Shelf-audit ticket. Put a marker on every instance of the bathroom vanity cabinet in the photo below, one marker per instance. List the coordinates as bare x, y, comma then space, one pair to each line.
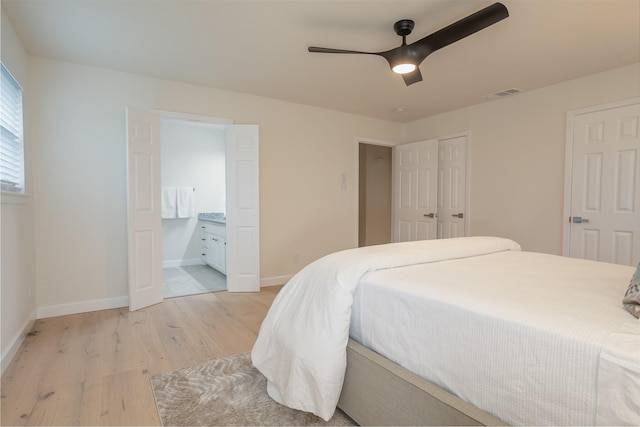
214, 245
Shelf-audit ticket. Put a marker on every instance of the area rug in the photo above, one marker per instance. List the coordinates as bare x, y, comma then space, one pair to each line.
224, 392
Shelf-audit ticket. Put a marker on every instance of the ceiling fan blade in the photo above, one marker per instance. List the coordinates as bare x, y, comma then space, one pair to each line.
412, 77
329, 50
460, 29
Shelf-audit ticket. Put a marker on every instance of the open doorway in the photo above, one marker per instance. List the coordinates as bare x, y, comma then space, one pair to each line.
374, 194
193, 160
144, 221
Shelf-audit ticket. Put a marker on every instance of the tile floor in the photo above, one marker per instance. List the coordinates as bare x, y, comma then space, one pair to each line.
191, 279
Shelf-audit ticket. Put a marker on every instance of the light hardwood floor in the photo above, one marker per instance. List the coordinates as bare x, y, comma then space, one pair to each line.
94, 368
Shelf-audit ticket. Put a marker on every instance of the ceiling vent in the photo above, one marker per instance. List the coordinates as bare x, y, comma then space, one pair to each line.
502, 93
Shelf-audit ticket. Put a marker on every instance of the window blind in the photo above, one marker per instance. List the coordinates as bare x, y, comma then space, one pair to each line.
11, 138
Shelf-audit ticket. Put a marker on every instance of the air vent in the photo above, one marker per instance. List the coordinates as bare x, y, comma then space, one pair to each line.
502, 93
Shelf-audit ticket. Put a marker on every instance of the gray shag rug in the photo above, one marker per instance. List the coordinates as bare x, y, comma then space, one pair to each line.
224, 392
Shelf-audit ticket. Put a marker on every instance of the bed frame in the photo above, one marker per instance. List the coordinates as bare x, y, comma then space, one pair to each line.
377, 391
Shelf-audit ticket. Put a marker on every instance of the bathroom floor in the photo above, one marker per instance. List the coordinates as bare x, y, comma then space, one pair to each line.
191, 279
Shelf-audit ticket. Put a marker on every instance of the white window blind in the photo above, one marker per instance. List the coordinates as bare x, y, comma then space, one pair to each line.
12, 141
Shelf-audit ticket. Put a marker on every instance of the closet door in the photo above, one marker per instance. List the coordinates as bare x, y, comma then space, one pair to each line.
452, 185
414, 191
430, 189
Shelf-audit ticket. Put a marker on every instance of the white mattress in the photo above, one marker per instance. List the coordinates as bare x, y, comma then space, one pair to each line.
498, 332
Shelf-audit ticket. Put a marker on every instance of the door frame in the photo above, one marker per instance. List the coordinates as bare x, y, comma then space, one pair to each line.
188, 117
163, 114
356, 180
568, 161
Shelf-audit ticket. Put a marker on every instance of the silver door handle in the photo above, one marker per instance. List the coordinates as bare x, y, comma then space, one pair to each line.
460, 215
579, 220
431, 215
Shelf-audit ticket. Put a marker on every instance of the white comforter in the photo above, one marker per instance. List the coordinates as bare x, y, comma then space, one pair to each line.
532, 338
301, 348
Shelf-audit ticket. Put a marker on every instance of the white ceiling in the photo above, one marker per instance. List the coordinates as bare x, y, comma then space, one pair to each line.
260, 47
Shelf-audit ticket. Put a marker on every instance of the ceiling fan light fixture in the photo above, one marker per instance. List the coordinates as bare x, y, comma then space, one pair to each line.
404, 68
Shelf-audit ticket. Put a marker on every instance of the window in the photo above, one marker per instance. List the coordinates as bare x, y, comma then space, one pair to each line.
11, 141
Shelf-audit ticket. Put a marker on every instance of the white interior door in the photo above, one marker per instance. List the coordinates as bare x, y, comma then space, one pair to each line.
415, 188
452, 185
143, 209
604, 218
243, 214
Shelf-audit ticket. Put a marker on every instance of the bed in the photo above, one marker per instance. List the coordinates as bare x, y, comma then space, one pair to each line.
458, 331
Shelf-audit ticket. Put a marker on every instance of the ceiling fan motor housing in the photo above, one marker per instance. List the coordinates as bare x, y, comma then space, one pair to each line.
403, 27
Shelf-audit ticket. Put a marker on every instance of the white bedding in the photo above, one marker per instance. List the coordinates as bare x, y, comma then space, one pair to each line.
530, 338
301, 345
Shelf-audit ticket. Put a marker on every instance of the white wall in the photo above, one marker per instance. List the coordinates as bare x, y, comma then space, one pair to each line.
517, 154
80, 215
192, 155
516, 166
17, 253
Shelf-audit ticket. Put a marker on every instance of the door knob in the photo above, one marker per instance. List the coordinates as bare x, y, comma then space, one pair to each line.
459, 215
579, 220
431, 215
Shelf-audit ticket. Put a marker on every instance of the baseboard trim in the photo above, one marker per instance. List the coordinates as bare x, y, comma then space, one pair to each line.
10, 351
274, 281
118, 302
182, 262
82, 307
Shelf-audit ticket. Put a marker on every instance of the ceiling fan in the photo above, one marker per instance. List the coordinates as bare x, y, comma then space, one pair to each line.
406, 58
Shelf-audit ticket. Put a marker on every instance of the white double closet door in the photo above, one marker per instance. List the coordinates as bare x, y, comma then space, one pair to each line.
430, 189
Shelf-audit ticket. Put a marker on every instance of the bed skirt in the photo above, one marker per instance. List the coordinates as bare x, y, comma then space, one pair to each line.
377, 391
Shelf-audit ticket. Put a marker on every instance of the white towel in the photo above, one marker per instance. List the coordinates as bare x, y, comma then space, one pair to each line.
186, 208
168, 209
